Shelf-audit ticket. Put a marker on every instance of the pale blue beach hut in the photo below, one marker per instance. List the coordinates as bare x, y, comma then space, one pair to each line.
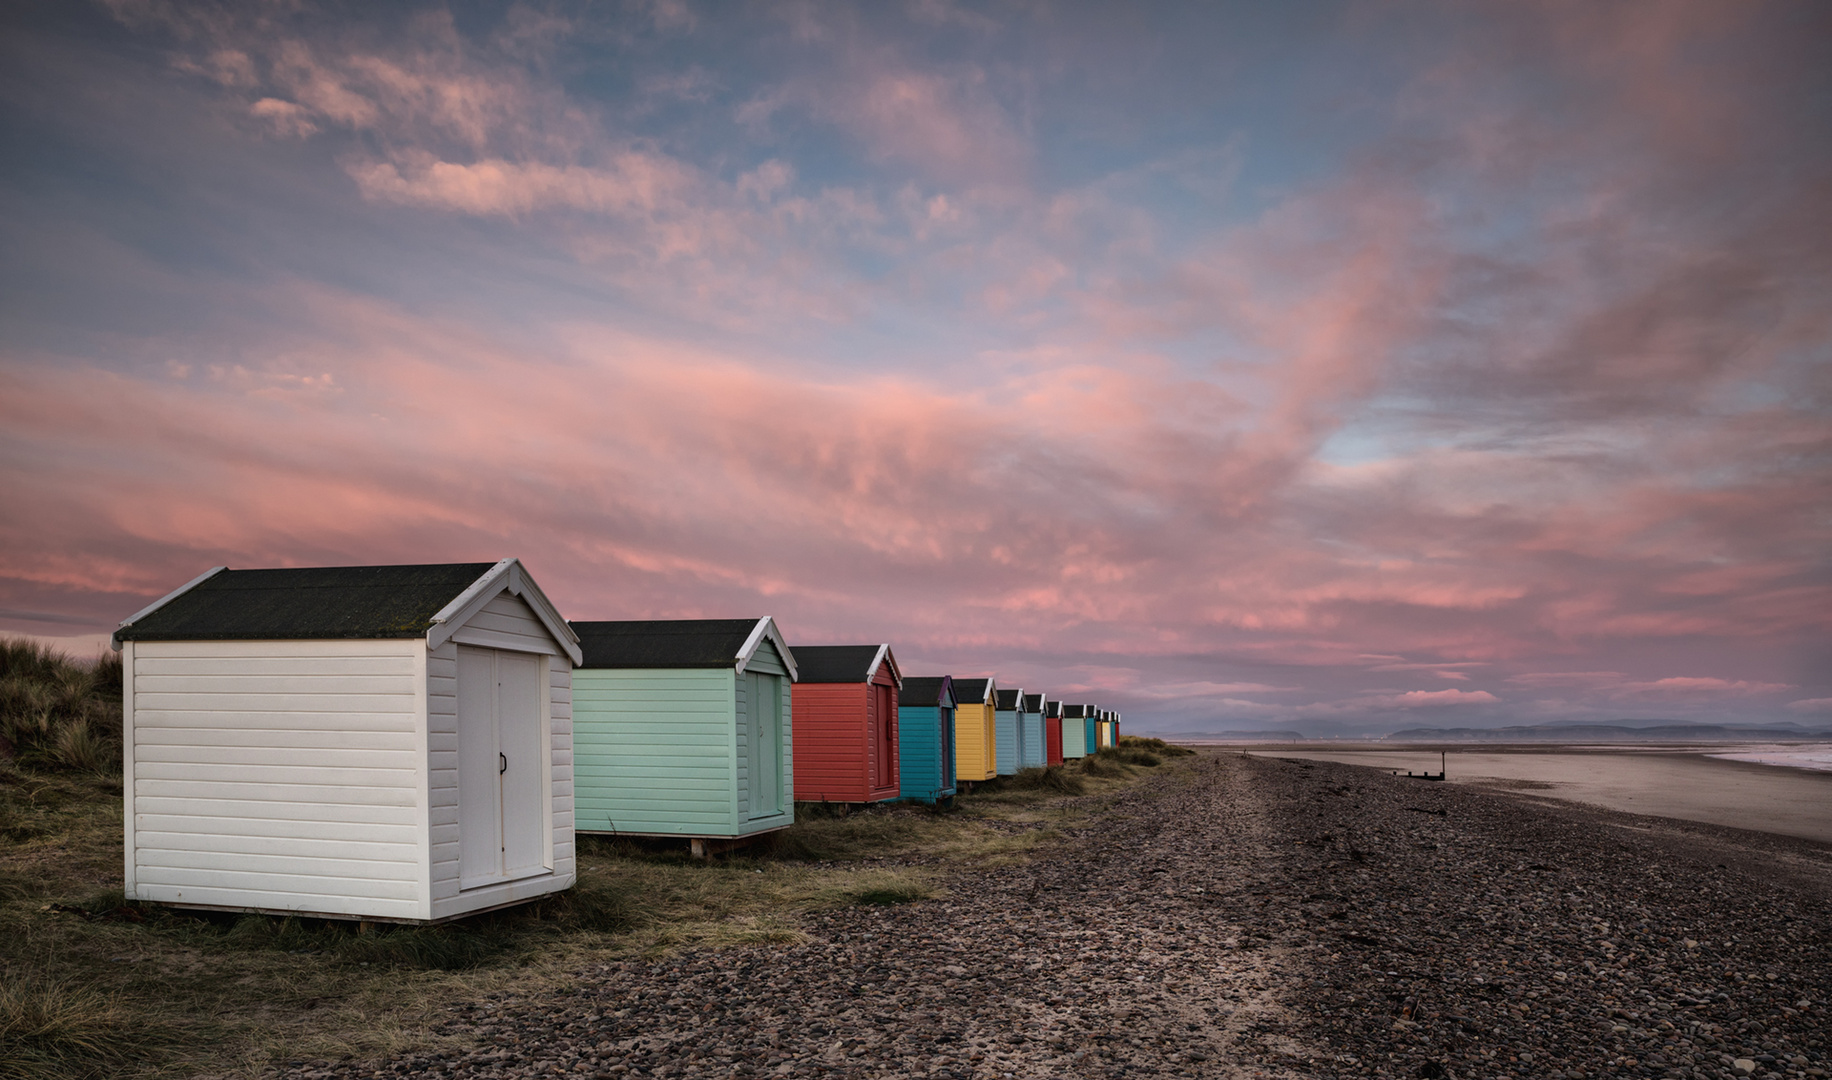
1030, 723
1009, 730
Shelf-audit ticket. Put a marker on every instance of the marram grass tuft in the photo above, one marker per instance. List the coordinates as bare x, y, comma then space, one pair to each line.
57, 713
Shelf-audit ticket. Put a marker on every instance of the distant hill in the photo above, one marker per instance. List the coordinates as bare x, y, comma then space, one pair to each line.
1673, 731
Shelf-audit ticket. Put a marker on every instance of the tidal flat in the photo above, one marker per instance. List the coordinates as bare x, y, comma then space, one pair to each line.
1683, 782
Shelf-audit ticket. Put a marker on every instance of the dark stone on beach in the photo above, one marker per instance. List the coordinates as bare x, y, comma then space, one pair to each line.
1296, 921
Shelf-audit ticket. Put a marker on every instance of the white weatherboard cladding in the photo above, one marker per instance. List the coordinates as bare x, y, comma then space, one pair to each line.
277, 774
501, 772
322, 776
506, 623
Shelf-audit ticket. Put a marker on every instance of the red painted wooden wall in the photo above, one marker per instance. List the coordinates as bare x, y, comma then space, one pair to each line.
1052, 739
846, 740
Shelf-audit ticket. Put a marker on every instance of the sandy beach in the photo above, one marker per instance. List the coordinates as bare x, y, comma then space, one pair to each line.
1672, 782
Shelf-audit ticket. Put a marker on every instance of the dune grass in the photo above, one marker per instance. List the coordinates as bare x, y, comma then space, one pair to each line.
56, 713
94, 986
57, 1026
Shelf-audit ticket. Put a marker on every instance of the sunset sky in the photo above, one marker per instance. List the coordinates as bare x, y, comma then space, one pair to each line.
1334, 367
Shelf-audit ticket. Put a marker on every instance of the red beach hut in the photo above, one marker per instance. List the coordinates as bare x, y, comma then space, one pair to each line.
1052, 732
845, 710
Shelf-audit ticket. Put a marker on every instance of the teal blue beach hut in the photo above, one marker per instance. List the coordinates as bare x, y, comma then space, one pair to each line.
683, 728
1090, 718
1030, 723
925, 739
1009, 731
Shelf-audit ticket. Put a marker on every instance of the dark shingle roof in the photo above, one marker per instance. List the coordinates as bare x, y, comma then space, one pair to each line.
1052, 709
835, 663
971, 690
663, 643
308, 603
1074, 712
1008, 700
1033, 703
922, 690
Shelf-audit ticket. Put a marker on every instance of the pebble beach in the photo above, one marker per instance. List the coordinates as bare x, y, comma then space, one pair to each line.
1237, 916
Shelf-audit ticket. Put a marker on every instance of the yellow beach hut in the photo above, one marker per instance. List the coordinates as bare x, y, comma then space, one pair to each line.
975, 730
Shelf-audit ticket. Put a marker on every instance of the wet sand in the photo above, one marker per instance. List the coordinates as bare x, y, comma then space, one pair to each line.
1671, 782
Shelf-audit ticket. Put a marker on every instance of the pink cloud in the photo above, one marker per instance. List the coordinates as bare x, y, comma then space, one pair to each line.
285, 117
1682, 687
1541, 679
1430, 699
1439, 668
633, 183
1516, 390
949, 124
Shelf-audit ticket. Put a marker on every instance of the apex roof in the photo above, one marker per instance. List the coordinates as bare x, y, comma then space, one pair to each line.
679, 643
927, 690
427, 600
1033, 703
974, 691
1008, 700
843, 663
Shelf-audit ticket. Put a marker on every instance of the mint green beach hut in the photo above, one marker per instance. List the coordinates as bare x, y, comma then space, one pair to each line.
1076, 740
683, 728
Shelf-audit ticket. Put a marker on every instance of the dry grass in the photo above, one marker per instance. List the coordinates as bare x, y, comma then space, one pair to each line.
92, 986
56, 713
1155, 747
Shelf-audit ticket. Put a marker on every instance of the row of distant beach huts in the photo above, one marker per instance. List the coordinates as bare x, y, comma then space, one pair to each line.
418, 743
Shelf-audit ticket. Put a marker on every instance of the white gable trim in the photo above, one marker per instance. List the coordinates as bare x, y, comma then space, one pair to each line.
884, 653
162, 601
766, 628
506, 576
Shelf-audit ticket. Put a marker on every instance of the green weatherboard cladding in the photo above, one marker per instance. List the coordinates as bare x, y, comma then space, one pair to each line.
689, 751
1075, 741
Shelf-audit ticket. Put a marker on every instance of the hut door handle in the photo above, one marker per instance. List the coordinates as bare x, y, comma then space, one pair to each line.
504, 767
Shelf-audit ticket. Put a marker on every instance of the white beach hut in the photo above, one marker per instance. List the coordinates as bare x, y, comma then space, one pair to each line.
368, 742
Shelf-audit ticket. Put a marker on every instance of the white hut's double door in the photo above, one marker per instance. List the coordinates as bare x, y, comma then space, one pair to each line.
503, 761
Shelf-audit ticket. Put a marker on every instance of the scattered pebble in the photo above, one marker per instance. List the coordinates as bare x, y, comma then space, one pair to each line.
1247, 917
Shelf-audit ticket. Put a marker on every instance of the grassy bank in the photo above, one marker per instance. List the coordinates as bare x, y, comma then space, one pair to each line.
91, 986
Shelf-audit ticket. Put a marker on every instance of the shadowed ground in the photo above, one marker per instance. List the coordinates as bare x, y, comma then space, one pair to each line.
1250, 917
